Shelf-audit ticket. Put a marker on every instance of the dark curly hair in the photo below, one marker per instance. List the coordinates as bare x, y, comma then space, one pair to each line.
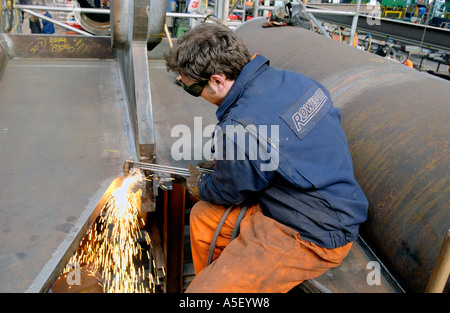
207, 49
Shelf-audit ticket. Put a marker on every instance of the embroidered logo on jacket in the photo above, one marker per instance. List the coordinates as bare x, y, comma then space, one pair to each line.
307, 111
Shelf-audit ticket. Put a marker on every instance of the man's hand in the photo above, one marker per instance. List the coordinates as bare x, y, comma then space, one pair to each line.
210, 165
194, 176
192, 181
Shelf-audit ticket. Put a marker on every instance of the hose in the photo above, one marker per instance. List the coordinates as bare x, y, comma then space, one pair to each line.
219, 228
238, 222
370, 42
216, 234
10, 7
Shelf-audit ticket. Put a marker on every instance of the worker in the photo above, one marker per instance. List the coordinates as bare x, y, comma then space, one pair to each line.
408, 63
35, 25
47, 27
295, 193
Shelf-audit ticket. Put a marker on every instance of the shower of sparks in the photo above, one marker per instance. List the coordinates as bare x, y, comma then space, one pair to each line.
111, 246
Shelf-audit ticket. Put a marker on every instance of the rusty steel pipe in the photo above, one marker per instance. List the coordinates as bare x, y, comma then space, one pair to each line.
397, 124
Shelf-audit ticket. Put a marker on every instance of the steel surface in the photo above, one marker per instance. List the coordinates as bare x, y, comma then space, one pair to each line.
63, 141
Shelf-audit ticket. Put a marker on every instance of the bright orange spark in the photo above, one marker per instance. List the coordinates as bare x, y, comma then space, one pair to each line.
111, 246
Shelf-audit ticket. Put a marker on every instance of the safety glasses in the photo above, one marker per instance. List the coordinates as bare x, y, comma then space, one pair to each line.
195, 89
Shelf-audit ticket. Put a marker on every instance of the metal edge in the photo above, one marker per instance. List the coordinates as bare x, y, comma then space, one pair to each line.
44, 280
56, 46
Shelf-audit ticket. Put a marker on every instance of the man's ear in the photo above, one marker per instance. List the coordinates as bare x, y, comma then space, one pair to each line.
218, 80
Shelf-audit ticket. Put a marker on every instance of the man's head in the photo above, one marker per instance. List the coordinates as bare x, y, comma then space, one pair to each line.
208, 58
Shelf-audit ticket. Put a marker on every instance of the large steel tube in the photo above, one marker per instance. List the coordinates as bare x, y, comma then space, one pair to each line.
98, 24
397, 124
141, 20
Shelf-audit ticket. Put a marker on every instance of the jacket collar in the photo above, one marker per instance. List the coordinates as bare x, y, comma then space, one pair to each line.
248, 73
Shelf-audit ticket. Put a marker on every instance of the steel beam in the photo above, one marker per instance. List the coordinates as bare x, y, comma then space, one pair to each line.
137, 28
343, 7
62, 9
422, 35
174, 219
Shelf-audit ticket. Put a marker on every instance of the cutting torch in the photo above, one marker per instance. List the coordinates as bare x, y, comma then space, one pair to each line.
129, 164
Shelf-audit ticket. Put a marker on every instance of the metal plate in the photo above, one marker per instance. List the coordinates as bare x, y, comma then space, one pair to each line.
53, 46
63, 139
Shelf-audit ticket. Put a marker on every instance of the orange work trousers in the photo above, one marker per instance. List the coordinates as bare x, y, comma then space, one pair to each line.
266, 256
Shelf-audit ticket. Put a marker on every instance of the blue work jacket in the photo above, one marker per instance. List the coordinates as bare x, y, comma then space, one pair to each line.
281, 145
47, 27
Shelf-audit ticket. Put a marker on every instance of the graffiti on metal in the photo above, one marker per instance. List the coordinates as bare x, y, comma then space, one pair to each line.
61, 47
